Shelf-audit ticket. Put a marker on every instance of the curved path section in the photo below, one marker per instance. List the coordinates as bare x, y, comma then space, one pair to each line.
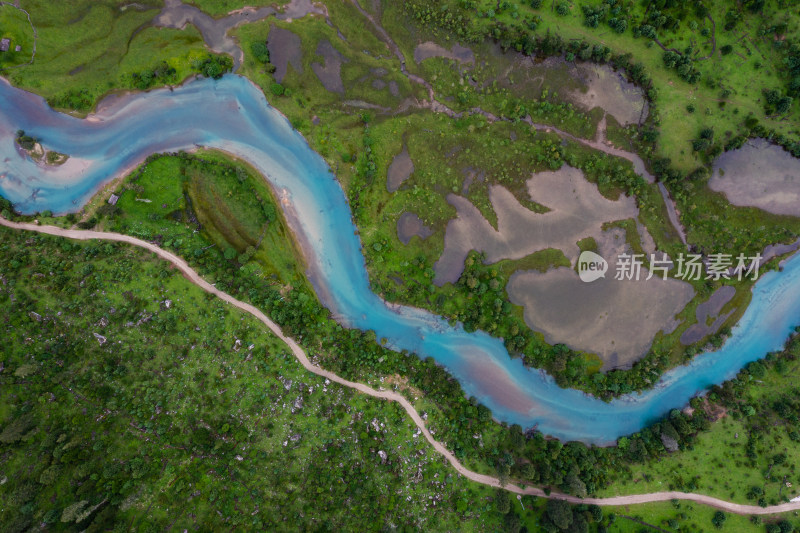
301, 356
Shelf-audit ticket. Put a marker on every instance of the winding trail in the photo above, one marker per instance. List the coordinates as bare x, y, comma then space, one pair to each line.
301, 356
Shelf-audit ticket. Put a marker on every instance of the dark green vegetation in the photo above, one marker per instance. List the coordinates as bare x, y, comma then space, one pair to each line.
26, 141
130, 400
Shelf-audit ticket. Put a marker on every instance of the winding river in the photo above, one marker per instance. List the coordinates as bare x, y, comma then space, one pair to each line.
232, 115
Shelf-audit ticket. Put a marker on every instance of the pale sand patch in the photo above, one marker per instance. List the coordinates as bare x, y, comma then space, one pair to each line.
759, 174
577, 211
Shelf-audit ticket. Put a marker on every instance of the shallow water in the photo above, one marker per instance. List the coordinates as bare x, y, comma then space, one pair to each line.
231, 114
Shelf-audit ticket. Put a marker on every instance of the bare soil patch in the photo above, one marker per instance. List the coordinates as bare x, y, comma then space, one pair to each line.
577, 211
759, 174
399, 170
429, 49
284, 49
616, 319
710, 308
330, 74
410, 225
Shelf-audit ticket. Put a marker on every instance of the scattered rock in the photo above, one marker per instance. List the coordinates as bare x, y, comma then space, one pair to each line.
669, 443
100, 338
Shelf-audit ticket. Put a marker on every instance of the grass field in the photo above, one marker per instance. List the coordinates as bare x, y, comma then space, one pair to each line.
750, 455
732, 80
231, 203
87, 49
14, 26
682, 516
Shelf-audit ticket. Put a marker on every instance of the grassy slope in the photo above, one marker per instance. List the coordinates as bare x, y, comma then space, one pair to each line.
189, 430
14, 25
91, 48
234, 214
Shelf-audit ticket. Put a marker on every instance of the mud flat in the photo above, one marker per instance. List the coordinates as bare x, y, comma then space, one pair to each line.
429, 49
410, 225
284, 49
616, 319
710, 308
577, 211
399, 170
330, 74
587, 85
611, 92
215, 31
759, 174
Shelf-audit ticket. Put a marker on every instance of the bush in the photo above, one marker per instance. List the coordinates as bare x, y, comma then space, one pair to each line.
277, 89
213, 66
260, 51
559, 512
718, 519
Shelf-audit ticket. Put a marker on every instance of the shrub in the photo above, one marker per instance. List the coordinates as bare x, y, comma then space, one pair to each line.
260, 51
277, 89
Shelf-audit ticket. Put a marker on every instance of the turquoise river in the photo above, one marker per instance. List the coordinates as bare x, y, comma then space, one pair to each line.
232, 114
